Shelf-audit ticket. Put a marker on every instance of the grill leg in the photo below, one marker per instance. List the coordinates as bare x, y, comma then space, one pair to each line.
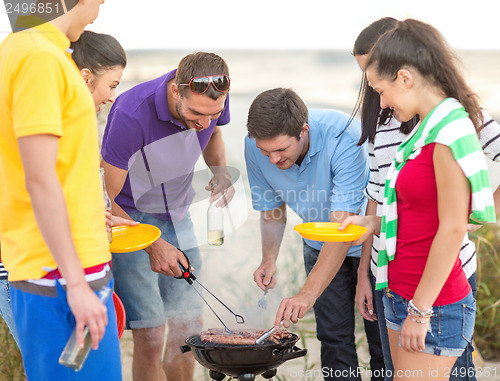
269, 374
246, 377
217, 376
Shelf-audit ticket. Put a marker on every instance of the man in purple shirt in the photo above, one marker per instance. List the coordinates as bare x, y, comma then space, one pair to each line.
155, 133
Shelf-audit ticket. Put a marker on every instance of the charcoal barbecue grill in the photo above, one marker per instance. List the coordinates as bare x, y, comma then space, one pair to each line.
243, 362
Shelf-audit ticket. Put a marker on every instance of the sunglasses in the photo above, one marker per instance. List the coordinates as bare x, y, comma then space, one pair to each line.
200, 85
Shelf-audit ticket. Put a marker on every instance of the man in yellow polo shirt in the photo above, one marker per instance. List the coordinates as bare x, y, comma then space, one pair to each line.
52, 225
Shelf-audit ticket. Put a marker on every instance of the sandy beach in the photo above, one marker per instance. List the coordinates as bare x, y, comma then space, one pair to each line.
324, 79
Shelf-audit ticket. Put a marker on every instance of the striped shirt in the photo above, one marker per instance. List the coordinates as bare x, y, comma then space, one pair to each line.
381, 155
3, 272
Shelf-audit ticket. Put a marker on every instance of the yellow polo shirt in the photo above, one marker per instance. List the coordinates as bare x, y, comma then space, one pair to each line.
42, 92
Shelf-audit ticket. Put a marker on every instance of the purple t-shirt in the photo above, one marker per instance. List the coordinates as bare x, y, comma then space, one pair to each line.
159, 153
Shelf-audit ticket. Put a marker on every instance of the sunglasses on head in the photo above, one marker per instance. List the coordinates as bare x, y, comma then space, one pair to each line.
200, 85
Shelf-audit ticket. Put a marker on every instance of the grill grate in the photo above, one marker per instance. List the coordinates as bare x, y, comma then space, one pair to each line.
196, 341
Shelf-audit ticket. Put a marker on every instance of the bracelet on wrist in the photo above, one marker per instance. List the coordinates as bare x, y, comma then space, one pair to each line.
412, 310
420, 321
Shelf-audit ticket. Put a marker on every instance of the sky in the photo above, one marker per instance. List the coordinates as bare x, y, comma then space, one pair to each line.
282, 24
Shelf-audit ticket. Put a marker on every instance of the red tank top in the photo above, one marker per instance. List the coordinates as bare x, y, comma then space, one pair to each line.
417, 226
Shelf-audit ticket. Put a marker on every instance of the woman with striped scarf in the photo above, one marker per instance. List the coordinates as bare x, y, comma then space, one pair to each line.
428, 303
385, 134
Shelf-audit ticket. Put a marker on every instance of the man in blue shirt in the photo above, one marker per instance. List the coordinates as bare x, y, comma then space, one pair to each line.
310, 161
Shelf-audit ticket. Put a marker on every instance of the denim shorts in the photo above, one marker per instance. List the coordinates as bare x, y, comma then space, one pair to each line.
151, 298
6, 309
451, 325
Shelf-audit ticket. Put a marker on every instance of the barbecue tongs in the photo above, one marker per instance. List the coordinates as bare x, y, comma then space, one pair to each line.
189, 277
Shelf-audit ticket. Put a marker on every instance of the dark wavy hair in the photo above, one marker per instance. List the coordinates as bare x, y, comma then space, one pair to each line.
98, 52
420, 46
368, 101
369, 36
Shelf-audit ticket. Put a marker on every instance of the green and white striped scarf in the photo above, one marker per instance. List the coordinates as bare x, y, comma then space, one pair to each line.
447, 124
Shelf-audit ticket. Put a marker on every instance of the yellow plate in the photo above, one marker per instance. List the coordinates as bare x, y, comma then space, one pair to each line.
131, 238
328, 231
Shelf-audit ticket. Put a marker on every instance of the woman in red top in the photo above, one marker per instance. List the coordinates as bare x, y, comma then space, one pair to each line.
428, 303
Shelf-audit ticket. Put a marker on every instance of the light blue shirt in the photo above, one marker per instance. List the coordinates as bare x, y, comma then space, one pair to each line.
331, 177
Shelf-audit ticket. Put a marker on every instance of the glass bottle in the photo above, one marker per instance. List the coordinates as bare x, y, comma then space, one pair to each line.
107, 203
215, 225
72, 355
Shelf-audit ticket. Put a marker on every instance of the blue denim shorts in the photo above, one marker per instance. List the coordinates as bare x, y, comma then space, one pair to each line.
451, 325
6, 309
151, 298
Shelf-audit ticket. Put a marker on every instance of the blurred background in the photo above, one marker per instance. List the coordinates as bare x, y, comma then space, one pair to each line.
305, 46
